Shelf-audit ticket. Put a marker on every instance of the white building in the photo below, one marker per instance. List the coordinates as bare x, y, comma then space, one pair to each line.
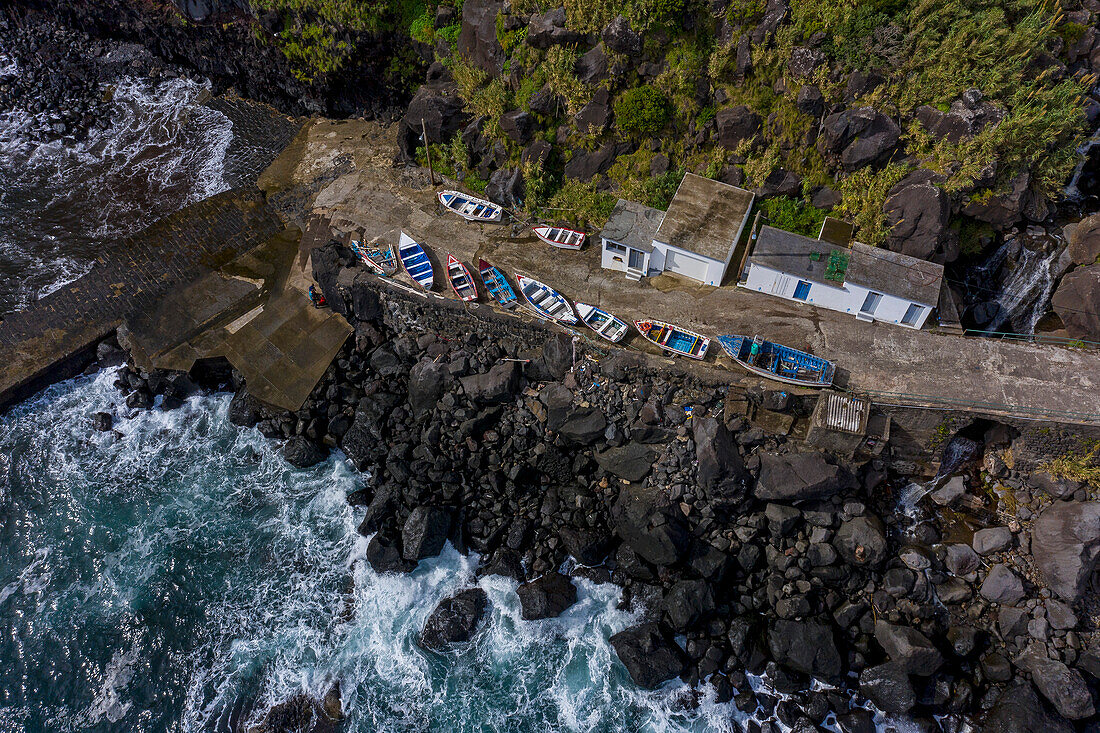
872, 284
696, 237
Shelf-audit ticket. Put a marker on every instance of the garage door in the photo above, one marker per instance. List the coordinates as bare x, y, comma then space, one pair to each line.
685, 264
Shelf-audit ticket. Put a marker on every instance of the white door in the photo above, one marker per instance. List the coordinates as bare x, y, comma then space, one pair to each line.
870, 304
685, 264
912, 313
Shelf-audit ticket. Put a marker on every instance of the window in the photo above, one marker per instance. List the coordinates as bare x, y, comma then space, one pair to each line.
870, 304
802, 290
912, 313
614, 247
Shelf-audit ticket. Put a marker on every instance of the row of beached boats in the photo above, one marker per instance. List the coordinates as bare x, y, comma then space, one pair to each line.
472, 208
761, 357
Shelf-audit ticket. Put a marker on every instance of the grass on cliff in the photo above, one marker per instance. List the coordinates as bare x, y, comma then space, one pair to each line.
1076, 467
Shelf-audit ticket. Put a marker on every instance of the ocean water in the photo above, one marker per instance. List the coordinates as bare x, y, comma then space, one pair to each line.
61, 203
175, 574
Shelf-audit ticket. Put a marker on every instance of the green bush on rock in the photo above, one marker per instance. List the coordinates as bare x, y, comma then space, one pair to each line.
641, 111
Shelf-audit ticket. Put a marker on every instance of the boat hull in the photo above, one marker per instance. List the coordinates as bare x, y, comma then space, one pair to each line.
470, 208
735, 348
461, 281
603, 323
560, 237
415, 261
698, 343
497, 285
546, 301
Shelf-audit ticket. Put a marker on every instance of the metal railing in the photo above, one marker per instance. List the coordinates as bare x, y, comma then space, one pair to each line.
922, 400
1035, 338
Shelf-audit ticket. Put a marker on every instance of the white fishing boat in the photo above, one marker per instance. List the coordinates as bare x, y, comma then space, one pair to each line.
560, 236
415, 261
606, 325
461, 281
470, 207
546, 301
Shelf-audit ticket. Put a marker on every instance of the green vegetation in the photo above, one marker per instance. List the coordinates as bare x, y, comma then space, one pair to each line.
793, 215
583, 204
641, 111
1076, 467
864, 193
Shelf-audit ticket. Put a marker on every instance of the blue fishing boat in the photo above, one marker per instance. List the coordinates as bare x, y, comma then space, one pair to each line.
470, 207
673, 338
781, 363
606, 325
546, 301
415, 261
377, 257
496, 285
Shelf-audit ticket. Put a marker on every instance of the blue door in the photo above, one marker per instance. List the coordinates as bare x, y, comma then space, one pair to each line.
802, 290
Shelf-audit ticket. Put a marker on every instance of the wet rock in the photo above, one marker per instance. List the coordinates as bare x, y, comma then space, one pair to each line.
298, 713
455, 619
425, 532
806, 647
645, 520
688, 602
632, 461
495, 386
547, 597
1064, 687
301, 452
950, 492
862, 541
649, 654
794, 477
908, 648
1002, 585
1065, 541
587, 547
1077, 302
331, 706
103, 421
1019, 710
888, 687
991, 540
385, 557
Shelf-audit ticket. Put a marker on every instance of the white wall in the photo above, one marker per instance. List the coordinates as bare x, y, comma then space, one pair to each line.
846, 299
715, 269
616, 260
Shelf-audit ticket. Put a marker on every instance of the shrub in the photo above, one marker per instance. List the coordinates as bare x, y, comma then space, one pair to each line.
586, 205
793, 215
449, 33
423, 27
562, 79
864, 193
641, 111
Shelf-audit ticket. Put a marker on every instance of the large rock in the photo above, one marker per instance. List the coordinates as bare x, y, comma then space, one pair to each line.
917, 215
1065, 688
805, 646
425, 532
547, 596
440, 108
888, 687
861, 541
427, 379
621, 38
495, 386
688, 602
517, 125
908, 648
1077, 302
477, 41
1055, 487
549, 29
967, 116
1005, 209
632, 461
645, 520
991, 540
455, 619
649, 654
595, 117
858, 137
793, 477
301, 452
583, 425
736, 124
1001, 585
584, 165
1065, 541
1084, 242
1019, 710
720, 466
586, 546
384, 556
506, 187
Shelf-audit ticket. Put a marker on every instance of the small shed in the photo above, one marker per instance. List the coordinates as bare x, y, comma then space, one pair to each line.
701, 229
627, 238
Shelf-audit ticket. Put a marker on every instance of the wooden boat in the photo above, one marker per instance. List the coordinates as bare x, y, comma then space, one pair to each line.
781, 363
461, 282
560, 236
379, 258
415, 261
470, 207
497, 285
673, 338
602, 322
546, 301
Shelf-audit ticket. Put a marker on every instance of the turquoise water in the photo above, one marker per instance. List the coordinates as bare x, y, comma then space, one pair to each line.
180, 576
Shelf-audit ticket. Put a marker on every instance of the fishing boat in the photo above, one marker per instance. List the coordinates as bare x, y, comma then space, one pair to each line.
673, 338
461, 282
379, 258
560, 236
497, 285
415, 261
546, 301
470, 207
781, 363
602, 322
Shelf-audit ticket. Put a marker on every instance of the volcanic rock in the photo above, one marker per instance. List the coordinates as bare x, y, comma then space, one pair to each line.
646, 521
858, 137
621, 38
805, 646
455, 619
301, 452
687, 603
793, 477
426, 382
1019, 710
495, 386
583, 425
549, 29
862, 541
992, 539
1065, 541
649, 654
1064, 687
425, 532
908, 648
1002, 585
477, 40
632, 461
547, 596
736, 124
888, 687
1077, 302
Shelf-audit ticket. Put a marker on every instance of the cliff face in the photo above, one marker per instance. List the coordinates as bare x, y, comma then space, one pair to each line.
233, 46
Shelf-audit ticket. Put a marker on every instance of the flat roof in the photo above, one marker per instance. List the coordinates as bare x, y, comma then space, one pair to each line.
791, 253
836, 231
633, 225
893, 273
705, 217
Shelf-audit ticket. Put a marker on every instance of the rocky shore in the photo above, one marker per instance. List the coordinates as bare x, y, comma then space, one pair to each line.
745, 552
